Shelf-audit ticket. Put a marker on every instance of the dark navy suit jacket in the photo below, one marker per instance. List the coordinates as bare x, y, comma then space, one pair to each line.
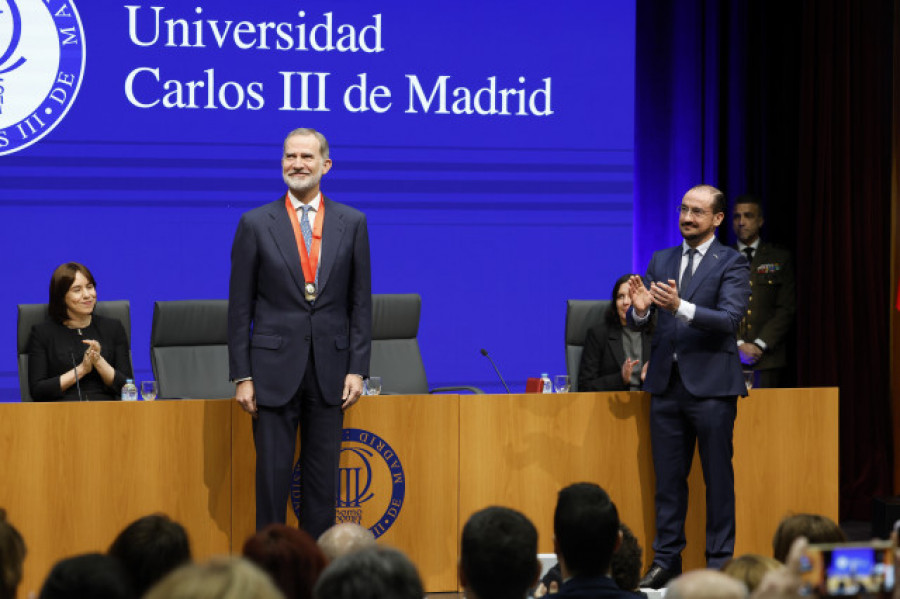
593, 587
707, 347
271, 326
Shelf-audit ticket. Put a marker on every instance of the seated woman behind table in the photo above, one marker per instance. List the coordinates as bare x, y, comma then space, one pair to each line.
614, 357
76, 342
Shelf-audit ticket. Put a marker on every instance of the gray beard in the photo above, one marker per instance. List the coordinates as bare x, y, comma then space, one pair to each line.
298, 187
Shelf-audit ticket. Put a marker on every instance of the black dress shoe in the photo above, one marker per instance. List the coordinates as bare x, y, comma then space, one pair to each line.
656, 577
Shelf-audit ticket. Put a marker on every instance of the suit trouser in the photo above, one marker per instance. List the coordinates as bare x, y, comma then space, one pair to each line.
275, 434
678, 422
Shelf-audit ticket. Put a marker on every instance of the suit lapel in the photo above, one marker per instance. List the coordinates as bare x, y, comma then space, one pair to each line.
709, 263
283, 234
614, 339
332, 236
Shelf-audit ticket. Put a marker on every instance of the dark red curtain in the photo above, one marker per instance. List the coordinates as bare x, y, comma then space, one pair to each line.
791, 101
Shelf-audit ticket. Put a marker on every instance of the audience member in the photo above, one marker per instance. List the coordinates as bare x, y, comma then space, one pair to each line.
91, 575
586, 529
750, 569
498, 555
12, 556
343, 538
816, 529
705, 584
625, 566
149, 548
763, 334
290, 556
220, 578
371, 573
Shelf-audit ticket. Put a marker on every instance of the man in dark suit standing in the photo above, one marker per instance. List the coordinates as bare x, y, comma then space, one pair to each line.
763, 333
299, 331
699, 291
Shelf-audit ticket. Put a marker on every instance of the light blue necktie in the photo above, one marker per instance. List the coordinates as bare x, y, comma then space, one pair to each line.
307, 234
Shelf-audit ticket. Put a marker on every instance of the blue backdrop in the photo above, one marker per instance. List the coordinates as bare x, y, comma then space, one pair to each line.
495, 219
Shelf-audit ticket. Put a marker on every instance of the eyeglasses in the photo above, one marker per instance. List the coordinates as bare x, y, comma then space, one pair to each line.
695, 212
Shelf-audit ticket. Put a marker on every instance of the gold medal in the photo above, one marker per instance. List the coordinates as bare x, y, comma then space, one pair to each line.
310, 292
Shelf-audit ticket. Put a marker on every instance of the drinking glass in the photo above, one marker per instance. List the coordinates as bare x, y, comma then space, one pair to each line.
148, 390
373, 385
561, 383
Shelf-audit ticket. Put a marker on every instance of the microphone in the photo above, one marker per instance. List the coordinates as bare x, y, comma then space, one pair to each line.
75, 370
484, 353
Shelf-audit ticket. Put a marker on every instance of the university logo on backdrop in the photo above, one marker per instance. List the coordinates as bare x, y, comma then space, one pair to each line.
42, 59
371, 482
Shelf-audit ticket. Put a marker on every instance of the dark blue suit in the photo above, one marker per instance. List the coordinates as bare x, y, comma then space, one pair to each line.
298, 352
695, 400
593, 587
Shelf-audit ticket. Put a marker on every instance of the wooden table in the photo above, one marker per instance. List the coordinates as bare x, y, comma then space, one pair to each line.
75, 474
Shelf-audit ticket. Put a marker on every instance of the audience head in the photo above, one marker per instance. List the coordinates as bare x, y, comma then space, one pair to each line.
149, 548
586, 529
705, 584
372, 573
12, 556
816, 529
220, 578
498, 555
750, 569
343, 538
60, 283
625, 564
91, 575
621, 301
290, 556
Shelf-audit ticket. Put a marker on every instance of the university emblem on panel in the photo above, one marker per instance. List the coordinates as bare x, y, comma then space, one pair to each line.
371, 482
41, 68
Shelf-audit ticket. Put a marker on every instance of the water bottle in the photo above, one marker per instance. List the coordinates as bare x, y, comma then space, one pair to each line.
129, 391
548, 386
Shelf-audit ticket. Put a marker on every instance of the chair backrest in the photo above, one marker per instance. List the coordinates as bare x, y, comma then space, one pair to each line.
395, 349
189, 349
33, 314
581, 315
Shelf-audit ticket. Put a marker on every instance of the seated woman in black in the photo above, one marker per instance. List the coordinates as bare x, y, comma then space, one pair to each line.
614, 357
76, 342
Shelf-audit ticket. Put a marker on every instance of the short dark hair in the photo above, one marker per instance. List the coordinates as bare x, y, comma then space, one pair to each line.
89, 575
290, 556
498, 553
371, 573
60, 283
750, 199
149, 548
718, 198
12, 555
816, 529
625, 564
586, 525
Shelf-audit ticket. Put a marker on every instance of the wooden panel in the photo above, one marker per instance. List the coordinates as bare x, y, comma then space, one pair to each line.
519, 450
75, 474
422, 432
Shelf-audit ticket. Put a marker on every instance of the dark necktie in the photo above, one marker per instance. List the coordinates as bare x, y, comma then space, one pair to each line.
688, 273
749, 251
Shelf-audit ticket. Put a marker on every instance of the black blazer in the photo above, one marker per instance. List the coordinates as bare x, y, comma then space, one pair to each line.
603, 356
53, 347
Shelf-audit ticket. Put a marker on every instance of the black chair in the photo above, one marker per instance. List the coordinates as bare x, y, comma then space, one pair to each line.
395, 348
32, 314
581, 315
189, 349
